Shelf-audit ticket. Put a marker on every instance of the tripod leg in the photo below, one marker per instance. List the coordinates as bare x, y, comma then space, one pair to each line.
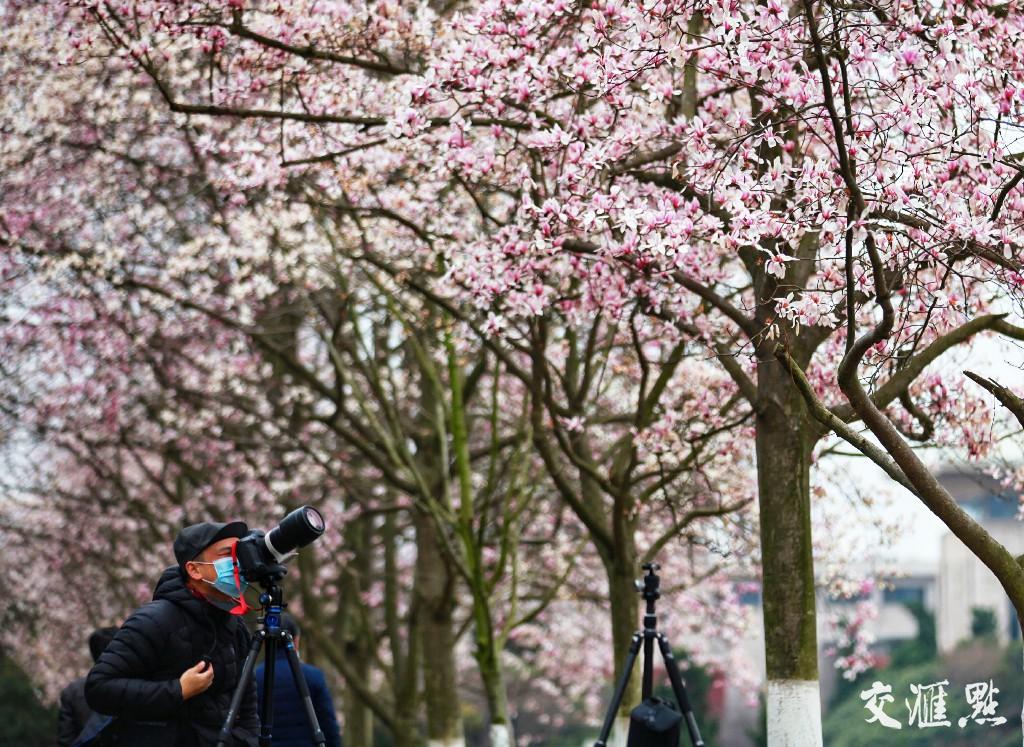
680, 690
620, 690
267, 706
300, 683
240, 688
647, 684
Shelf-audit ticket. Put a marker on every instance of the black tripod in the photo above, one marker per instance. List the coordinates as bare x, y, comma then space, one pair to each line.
271, 635
650, 591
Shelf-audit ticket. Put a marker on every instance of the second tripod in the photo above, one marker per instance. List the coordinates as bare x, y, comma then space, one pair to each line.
271, 635
649, 588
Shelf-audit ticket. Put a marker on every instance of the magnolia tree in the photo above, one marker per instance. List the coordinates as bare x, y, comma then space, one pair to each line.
195, 336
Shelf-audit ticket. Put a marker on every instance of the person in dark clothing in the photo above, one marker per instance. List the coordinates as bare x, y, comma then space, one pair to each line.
74, 711
291, 728
169, 674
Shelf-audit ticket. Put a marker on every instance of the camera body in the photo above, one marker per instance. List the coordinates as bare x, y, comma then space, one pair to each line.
261, 555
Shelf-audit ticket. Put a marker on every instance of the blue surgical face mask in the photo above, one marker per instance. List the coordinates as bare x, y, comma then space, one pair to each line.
225, 582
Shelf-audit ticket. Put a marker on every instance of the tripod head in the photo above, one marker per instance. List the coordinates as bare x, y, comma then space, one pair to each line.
272, 603
650, 585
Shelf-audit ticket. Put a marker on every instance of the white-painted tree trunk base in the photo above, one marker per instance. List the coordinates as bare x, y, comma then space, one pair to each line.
451, 742
794, 713
500, 736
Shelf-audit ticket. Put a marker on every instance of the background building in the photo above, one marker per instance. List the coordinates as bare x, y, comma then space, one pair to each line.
965, 585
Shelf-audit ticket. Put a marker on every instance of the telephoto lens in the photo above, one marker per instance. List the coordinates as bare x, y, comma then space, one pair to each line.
298, 529
261, 555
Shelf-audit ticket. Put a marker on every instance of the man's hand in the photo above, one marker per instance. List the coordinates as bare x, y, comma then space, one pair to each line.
196, 680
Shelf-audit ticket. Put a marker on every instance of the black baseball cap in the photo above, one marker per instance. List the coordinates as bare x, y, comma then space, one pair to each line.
193, 539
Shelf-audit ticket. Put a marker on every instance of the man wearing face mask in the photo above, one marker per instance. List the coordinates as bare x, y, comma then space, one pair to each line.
169, 674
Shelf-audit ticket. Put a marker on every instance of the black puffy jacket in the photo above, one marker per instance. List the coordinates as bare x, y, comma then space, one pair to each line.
137, 677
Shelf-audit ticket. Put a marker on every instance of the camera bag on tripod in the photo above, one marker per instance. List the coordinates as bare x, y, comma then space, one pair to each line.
654, 723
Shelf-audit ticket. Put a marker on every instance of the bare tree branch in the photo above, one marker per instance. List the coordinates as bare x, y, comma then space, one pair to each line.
1006, 398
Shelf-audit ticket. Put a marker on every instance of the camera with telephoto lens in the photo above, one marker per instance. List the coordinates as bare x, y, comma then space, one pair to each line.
261, 555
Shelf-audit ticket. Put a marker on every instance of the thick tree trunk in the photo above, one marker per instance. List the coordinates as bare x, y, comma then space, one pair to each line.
501, 734
435, 600
488, 643
406, 664
359, 642
623, 569
406, 734
488, 659
1020, 621
785, 438
358, 719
